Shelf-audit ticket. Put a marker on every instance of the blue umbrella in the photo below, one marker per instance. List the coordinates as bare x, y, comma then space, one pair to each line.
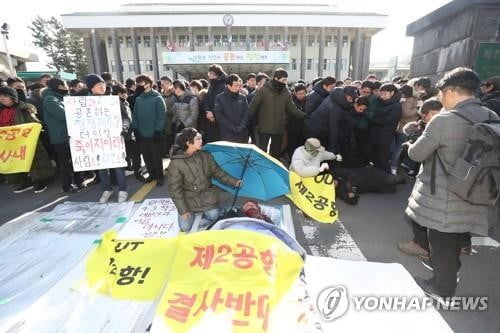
263, 176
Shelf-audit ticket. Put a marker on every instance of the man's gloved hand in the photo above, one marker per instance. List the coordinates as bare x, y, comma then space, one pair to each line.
339, 158
324, 166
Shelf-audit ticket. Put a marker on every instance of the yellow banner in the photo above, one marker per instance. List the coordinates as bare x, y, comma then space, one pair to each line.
227, 280
315, 196
130, 269
18, 146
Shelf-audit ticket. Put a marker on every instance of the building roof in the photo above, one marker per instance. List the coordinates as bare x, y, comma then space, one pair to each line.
203, 13
452, 8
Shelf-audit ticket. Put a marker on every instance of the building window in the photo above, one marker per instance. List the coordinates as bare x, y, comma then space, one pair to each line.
183, 41
294, 64
293, 40
325, 64
310, 40
235, 39
149, 65
344, 64
128, 41
157, 39
309, 64
110, 41
201, 40
333, 65
166, 68
217, 40
131, 66
141, 65
243, 40
345, 40
260, 40
147, 41
120, 41
139, 40
328, 41
113, 69
164, 41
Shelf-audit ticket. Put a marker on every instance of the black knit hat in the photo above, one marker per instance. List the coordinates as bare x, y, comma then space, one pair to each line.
92, 79
11, 92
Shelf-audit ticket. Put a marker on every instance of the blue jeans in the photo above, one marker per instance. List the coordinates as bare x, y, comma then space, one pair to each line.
206, 218
106, 179
398, 141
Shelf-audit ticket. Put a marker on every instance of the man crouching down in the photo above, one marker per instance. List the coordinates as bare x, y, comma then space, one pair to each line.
189, 179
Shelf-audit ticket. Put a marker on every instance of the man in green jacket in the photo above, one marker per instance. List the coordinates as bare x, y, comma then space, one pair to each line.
189, 179
55, 120
272, 102
148, 124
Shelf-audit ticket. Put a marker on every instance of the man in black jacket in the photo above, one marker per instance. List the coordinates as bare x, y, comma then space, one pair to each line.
231, 112
207, 125
383, 125
324, 122
295, 127
491, 94
320, 91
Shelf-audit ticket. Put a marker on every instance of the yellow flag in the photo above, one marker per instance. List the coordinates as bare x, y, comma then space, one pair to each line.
230, 279
315, 196
130, 269
18, 146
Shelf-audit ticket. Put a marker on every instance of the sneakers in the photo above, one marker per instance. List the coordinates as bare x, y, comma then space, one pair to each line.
413, 249
122, 196
105, 196
39, 187
23, 187
72, 189
128, 173
140, 178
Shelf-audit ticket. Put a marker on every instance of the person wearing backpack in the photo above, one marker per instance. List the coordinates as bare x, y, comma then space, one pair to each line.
434, 202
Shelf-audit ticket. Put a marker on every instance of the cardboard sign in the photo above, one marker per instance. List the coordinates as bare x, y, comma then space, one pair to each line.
18, 147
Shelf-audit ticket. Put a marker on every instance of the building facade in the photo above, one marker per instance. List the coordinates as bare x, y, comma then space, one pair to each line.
451, 36
173, 38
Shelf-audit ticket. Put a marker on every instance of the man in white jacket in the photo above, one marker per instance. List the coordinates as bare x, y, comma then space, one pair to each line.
307, 160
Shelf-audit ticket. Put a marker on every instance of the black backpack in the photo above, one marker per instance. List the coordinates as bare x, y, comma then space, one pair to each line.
475, 177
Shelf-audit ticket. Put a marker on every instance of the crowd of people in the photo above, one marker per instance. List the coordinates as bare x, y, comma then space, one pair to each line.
369, 134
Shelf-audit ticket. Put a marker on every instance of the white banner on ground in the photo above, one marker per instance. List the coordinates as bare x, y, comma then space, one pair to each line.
95, 126
156, 218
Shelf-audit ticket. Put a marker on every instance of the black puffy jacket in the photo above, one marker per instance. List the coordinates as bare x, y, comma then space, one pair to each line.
385, 120
315, 98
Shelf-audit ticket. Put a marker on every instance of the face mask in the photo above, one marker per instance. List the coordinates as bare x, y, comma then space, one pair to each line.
63, 92
140, 89
279, 86
21, 95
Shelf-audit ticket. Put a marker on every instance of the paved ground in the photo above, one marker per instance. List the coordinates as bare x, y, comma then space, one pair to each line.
368, 231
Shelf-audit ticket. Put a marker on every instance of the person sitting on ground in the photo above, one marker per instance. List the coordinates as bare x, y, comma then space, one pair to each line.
189, 179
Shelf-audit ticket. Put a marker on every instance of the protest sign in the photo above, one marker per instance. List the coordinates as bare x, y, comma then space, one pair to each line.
95, 126
231, 280
156, 218
315, 196
18, 146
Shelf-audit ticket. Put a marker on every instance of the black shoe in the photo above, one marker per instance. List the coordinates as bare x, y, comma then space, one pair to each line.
159, 182
81, 185
39, 187
427, 263
437, 296
23, 187
94, 181
72, 189
139, 177
148, 180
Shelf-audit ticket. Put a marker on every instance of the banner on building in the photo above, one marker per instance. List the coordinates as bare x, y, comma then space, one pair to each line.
18, 146
315, 196
226, 57
95, 126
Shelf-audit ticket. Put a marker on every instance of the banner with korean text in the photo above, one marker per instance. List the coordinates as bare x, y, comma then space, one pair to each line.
95, 126
315, 196
18, 147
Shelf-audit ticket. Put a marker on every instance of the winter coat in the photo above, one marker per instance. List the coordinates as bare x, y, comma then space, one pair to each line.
492, 101
215, 88
149, 114
169, 98
294, 125
307, 165
189, 180
185, 110
271, 107
315, 97
385, 120
231, 114
41, 167
325, 122
409, 113
55, 116
447, 135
